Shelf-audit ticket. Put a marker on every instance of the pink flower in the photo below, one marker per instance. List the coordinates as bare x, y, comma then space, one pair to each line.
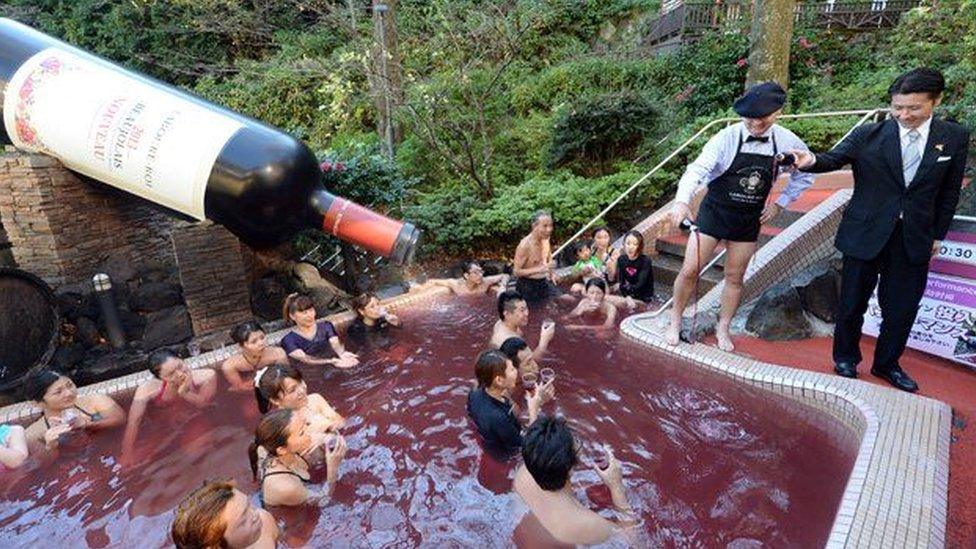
804, 43
325, 166
741, 62
339, 166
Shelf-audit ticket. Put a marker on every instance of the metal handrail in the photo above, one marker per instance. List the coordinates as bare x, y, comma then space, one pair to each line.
866, 114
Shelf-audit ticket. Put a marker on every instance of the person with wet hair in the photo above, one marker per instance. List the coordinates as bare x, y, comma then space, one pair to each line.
218, 515
279, 462
472, 281
513, 315
549, 455
65, 413
491, 408
593, 304
282, 386
518, 351
373, 321
255, 354
172, 382
310, 342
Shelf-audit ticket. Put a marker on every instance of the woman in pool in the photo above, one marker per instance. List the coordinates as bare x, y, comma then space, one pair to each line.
65, 413
219, 515
255, 354
593, 305
283, 472
13, 447
602, 250
312, 342
281, 386
635, 272
172, 382
372, 319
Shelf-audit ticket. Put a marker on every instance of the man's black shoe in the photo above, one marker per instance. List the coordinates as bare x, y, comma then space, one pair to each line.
845, 369
898, 378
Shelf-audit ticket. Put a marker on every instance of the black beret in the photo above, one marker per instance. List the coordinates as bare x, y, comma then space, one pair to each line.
761, 100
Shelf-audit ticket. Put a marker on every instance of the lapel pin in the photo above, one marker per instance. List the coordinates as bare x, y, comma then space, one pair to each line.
939, 147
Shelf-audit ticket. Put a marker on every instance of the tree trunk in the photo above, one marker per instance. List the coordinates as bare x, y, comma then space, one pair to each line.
770, 39
385, 80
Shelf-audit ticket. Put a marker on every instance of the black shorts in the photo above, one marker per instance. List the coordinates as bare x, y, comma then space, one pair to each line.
725, 223
536, 289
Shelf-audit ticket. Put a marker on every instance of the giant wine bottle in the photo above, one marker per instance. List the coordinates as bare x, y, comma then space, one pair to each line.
174, 149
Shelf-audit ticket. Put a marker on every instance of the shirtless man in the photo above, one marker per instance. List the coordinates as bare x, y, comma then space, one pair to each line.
473, 281
549, 455
513, 315
534, 265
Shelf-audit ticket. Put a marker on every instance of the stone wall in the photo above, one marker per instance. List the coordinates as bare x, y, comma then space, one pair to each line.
64, 230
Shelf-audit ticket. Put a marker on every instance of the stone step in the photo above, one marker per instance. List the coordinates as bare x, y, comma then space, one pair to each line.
666, 267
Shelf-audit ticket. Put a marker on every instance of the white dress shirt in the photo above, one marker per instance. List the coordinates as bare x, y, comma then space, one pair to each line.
718, 153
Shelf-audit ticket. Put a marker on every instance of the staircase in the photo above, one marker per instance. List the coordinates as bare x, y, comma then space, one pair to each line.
671, 248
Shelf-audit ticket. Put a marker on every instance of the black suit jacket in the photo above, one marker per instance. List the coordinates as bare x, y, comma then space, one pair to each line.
880, 195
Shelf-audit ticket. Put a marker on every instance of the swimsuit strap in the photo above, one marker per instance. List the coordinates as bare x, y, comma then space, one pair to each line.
162, 391
86, 412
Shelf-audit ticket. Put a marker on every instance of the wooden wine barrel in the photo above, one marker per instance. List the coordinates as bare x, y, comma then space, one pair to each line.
29, 325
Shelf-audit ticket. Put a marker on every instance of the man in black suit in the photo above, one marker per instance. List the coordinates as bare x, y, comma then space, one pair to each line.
907, 176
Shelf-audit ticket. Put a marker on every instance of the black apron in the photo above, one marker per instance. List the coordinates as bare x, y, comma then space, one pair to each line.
735, 200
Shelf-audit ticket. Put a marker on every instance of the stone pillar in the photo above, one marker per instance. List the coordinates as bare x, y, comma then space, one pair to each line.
212, 273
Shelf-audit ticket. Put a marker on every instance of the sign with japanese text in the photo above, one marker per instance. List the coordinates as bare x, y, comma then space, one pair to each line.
946, 322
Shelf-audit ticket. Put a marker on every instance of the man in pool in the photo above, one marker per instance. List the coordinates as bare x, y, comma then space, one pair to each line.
549, 455
533, 264
513, 315
472, 281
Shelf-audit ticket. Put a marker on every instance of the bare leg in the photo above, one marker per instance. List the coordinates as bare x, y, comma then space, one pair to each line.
684, 283
736, 261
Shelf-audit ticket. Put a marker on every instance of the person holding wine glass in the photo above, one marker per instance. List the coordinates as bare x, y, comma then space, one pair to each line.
491, 408
549, 455
739, 167
310, 342
64, 413
513, 316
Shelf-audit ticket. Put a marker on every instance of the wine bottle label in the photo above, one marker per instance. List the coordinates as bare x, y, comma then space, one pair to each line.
116, 128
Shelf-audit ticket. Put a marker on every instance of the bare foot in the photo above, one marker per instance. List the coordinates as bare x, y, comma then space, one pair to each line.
724, 338
673, 335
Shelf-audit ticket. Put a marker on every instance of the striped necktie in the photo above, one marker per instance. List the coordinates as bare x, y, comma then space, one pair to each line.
911, 157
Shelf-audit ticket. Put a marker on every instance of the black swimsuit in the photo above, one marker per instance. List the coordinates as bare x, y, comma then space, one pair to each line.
97, 416
305, 481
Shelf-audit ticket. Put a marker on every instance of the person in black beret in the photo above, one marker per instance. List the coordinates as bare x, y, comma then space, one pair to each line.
738, 165
907, 176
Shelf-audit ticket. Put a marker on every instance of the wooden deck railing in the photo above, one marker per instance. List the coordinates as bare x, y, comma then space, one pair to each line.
691, 19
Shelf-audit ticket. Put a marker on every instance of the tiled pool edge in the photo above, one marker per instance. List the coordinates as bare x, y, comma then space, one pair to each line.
900, 433
23, 411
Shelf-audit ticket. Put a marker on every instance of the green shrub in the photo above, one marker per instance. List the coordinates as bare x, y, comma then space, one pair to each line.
595, 131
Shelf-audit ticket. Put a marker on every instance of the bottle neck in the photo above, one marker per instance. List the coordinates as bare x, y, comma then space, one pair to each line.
363, 227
